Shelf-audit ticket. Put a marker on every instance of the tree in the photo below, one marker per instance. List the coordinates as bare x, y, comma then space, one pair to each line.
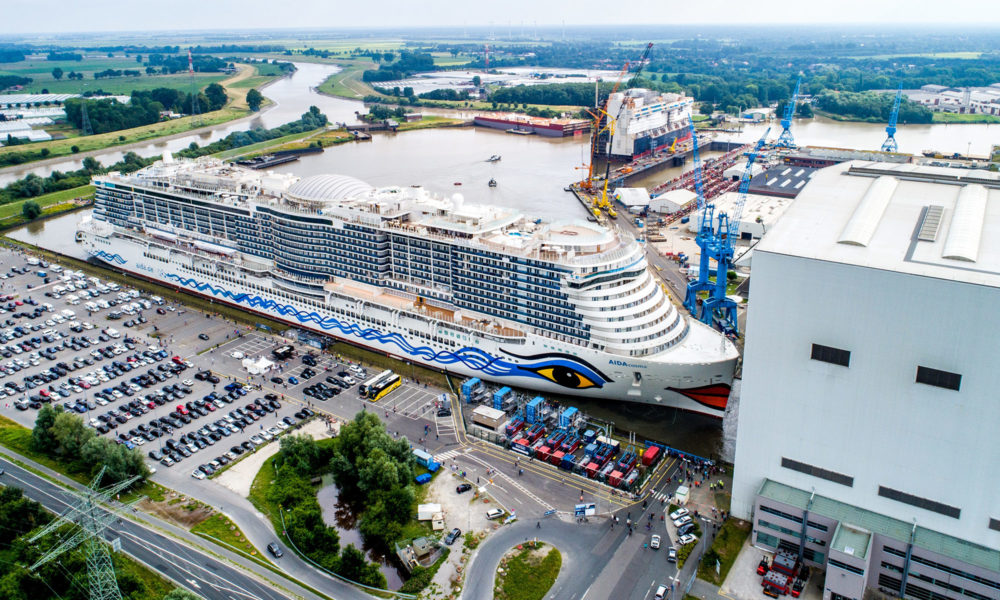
138, 58
477, 80
74, 149
41, 437
408, 92
69, 432
57, 73
182, 594
216, 95
300, 453
91, 164
254, 100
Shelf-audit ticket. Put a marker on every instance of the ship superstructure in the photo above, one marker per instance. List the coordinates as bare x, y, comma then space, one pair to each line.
567, 307
649, 122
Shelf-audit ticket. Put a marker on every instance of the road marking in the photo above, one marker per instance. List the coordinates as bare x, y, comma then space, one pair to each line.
194, 583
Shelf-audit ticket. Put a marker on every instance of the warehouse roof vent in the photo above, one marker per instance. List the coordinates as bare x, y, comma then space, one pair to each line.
930, 223
966, 227
867, 215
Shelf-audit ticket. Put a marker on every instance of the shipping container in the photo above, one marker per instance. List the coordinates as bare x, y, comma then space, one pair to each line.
651, 455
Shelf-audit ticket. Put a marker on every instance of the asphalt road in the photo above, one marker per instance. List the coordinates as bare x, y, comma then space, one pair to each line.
586, 548
201, 573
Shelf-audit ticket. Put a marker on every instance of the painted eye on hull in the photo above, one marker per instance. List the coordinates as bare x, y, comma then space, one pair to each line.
565, 376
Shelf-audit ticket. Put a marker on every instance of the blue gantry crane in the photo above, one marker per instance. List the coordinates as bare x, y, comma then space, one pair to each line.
786, 140
890, 145
718, 309
706, 213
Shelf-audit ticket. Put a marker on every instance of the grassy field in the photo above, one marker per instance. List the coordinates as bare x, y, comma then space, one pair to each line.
726, 546
40, 72
221, 528
14, 208
529, 574
267, 145
430, 121
445, 59
258, 492
235, 109
945, 117
347, 83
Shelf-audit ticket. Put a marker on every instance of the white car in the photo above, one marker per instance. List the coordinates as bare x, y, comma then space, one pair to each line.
654, 542
682, 521
494, 513
197, 475
686, 539
188, 382
282, 425
680, 512
661, 593
237, 354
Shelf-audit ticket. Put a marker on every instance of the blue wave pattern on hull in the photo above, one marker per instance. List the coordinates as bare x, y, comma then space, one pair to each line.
472, 358
107, 256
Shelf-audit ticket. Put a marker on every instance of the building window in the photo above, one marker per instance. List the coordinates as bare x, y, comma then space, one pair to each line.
995, 524
834, 356
924, 503
844, 566
817, 472
943, 379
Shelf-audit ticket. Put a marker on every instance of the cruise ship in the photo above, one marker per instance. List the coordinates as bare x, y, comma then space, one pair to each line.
648, 123
473, 290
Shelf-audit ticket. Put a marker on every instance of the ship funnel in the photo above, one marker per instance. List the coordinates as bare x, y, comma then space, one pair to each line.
457, 200
168, 157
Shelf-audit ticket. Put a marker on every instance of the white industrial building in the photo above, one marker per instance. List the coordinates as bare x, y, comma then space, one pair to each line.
635, 200
735, 172
869, 412
760, 213
672, 201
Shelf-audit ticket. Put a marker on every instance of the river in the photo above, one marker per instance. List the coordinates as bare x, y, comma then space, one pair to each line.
291, 96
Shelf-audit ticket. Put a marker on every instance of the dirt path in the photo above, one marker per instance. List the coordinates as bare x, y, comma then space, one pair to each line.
240, 476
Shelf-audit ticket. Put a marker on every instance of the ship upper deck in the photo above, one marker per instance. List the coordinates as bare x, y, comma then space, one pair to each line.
410, 210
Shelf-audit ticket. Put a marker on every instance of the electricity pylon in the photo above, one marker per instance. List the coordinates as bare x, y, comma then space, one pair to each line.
91, 516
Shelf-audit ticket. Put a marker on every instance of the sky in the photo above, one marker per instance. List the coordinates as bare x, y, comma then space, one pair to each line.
31, 16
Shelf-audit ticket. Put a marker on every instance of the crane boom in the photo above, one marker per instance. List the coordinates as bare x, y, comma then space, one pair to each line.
890, 145
741, 197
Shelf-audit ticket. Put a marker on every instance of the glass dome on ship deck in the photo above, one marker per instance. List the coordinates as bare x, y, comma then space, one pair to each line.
328, 188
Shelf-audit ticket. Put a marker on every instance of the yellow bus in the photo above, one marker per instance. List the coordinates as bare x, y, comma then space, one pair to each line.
379, 386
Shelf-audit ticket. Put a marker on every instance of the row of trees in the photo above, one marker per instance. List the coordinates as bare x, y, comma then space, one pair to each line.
64, 56
408, 63
870, 106
117, 73
64, 436
7, 81
143, 109
300, 458
9, 55
177, 64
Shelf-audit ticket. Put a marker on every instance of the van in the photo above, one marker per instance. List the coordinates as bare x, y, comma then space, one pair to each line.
91, 306
72, 300
59, 289
156, 300
68, 313
112, 333
114, 287
57, 269
32, 261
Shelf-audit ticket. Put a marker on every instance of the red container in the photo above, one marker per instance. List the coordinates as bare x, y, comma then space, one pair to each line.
592, 469
542, 453
651, 455
556, 457
615, 479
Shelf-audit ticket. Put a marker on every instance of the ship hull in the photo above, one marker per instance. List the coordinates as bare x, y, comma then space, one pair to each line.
531, 362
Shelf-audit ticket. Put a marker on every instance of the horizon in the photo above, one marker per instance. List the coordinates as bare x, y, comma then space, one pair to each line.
105, 16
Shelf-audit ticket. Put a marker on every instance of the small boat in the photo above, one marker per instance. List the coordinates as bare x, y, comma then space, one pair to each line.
458, 183
493, 183
494, 158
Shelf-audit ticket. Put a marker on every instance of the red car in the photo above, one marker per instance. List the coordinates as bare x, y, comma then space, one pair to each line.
182, 410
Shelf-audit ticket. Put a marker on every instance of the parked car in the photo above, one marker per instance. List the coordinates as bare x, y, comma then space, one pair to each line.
686, 539
452, 536
494, 513
463, 488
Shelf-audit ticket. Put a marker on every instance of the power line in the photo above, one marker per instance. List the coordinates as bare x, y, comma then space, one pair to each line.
91, 517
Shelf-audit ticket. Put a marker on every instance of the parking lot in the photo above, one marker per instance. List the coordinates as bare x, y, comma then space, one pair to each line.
131, 365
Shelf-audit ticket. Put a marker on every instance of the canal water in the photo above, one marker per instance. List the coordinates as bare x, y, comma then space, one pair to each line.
339, 515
